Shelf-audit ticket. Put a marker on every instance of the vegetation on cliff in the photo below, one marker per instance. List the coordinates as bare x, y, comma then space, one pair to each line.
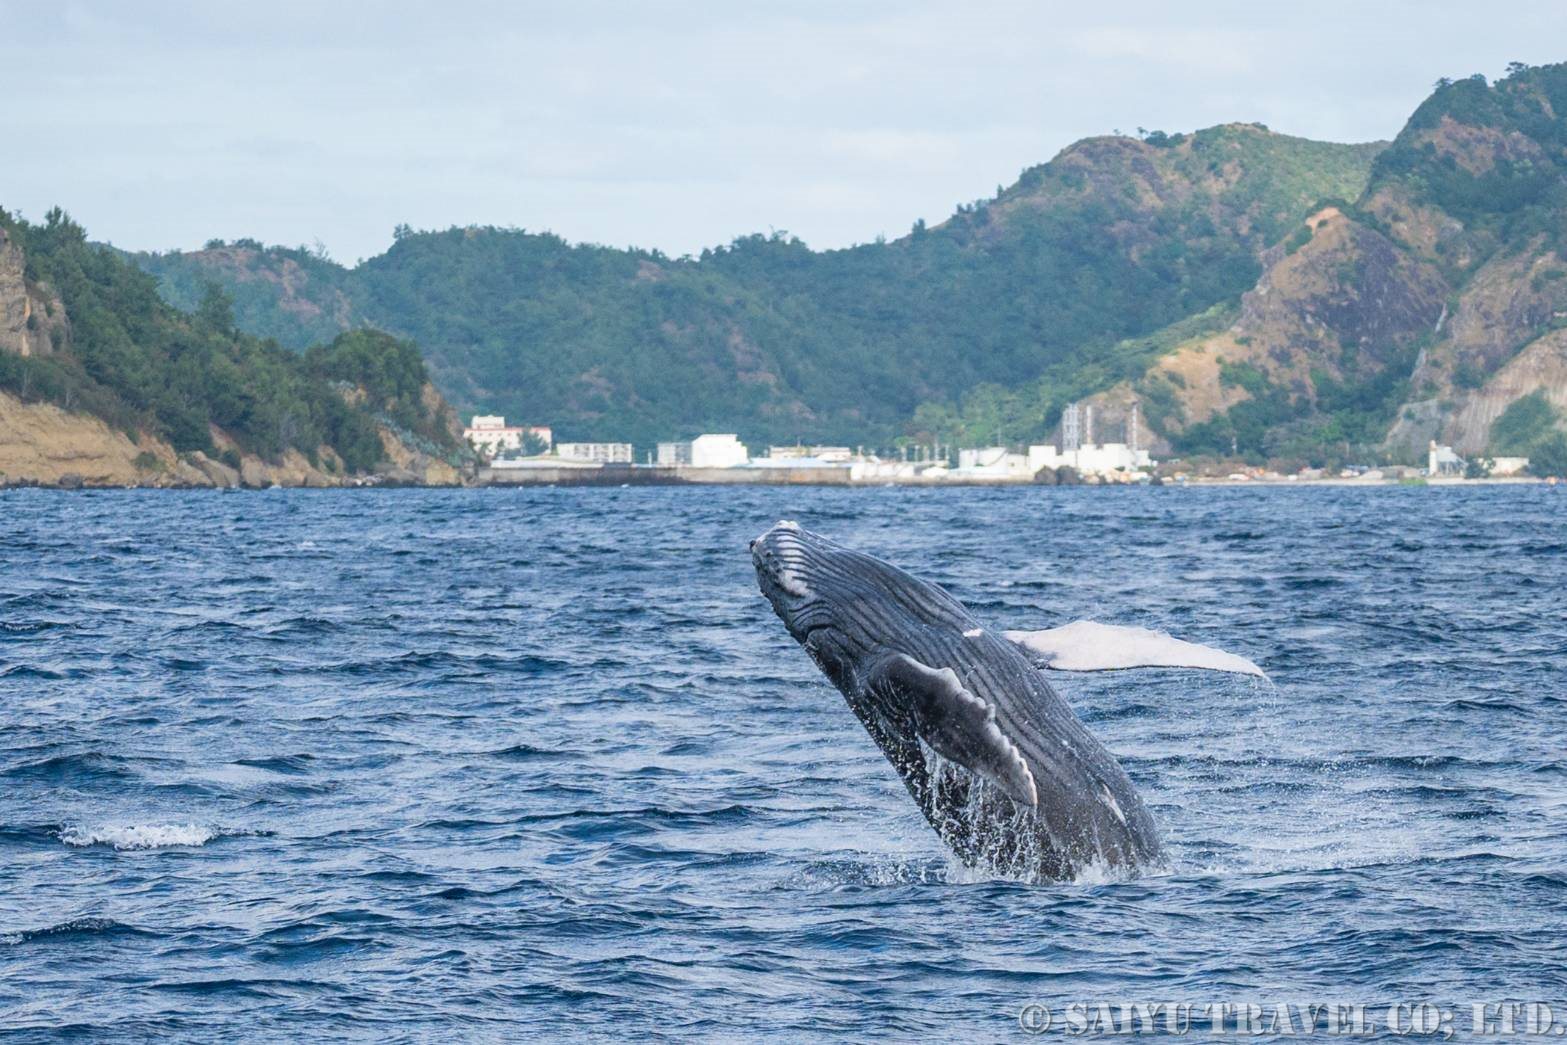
1529, 428
388, 378
1491, 156
144, 366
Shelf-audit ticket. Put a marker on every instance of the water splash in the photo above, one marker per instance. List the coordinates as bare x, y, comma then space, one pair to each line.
138, 836
998, 838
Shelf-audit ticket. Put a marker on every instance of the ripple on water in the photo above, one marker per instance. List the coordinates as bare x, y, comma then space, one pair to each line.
542, 763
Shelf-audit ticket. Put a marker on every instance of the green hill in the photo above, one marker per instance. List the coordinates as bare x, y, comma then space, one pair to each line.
1034, 287
97, 339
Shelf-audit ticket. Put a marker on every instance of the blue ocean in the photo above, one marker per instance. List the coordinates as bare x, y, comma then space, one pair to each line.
541, 764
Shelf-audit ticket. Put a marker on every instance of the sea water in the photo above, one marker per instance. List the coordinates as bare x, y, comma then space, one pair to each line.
540, 763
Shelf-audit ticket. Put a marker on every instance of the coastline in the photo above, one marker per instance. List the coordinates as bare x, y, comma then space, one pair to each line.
43, 445
398, 479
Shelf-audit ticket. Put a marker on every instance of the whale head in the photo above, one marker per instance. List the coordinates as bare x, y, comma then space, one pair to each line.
838, 603
792, 566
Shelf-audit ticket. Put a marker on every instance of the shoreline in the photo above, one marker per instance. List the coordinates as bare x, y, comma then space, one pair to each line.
607, 482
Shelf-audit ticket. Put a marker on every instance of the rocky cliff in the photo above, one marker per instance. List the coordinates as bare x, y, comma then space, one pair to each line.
32, 317
42, 444
1422, 311
1340, 308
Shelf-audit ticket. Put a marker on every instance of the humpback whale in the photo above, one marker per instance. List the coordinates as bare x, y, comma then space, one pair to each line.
995, 759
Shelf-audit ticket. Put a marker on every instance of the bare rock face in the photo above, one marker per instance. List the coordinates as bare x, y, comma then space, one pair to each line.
1345, 305
253, 473
44, 444
1542, 366
1345, 302
32, 317
41, 443
215, 473
185, 473
410, 467
1502, 340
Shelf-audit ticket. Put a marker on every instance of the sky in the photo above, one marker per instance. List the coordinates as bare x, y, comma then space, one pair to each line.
668, 125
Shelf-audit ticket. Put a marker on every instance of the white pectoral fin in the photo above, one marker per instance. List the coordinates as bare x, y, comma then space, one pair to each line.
1086, 645
960, 726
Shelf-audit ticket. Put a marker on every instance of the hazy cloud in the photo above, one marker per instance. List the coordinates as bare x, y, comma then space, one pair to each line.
675, 125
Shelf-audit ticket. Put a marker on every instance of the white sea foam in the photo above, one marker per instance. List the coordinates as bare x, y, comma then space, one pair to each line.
138, 836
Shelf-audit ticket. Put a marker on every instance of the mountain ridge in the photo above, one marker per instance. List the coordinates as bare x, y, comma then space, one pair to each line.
1114, 237
1257, 296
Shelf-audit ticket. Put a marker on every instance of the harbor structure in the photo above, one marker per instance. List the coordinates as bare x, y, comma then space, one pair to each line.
1071, 427
800, 452
674, 454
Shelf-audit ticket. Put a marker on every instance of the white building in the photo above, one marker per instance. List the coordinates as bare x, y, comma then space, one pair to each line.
993, 462
603, 453
672, 454
1441, 460
491, 435
1090, 458
705, 451
718, 451
1509, 465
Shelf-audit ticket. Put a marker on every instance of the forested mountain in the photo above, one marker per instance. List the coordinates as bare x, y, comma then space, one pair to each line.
1255, 295
85, 330
1036, 287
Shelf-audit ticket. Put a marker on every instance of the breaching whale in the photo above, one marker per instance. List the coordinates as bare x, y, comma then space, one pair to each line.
1002, 769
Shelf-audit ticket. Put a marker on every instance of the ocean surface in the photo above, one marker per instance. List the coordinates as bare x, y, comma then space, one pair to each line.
542, 764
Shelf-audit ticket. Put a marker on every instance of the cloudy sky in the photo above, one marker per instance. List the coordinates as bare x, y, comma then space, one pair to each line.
673, 125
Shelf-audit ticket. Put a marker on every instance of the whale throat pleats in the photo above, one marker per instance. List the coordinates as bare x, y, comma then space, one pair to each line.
958, 725
1087, 645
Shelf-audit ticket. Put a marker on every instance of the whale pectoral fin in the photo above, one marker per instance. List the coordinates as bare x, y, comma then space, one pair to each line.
1086, 645
959, 725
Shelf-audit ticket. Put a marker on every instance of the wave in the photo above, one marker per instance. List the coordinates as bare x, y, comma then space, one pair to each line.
76, 927
138, 836
74, 768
